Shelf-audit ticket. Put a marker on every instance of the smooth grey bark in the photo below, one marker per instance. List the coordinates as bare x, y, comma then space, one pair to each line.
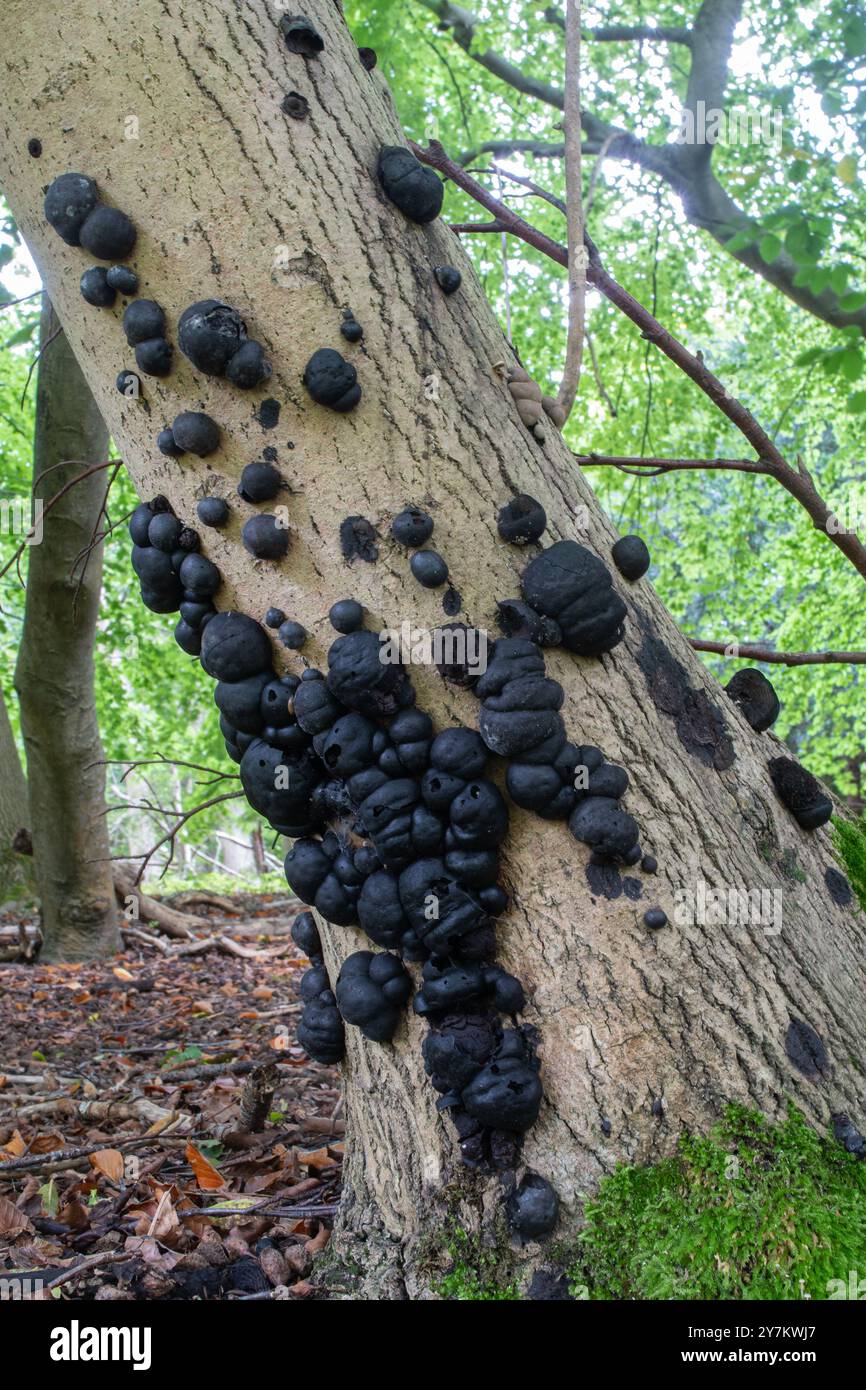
54, 673
15, 871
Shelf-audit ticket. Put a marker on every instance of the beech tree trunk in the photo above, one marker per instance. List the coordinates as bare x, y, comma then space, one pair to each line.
178, 116
15, 869
54, 673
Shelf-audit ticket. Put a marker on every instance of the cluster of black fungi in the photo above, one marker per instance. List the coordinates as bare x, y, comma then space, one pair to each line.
396, 829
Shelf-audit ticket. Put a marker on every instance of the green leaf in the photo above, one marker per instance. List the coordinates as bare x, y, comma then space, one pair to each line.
839, 278
854, 36
769, 247
857, 402
852, 364
850, 303
739, 242
805, 359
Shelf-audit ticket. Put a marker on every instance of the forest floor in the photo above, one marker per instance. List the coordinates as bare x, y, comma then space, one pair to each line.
162, 1136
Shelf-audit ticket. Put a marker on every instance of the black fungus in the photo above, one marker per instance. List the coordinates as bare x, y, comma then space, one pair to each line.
209, 334
358, 540
129, 385
506, 1094
838, 887
600, 823
34, 146
164, 532
522, 520
196, 433
371, 991
123, 279
368, 58
452, 602
249, 366
199, 576
320, 1031
448, 278
806, 1049
305, 935
331, 380
412, 527
167, 444
350, 327
758, 701
655, 917
143, 319
235, 647
570, 584
264, 537
649, 864
631, 557
429, 569
346, 615
69, 200
295, 106
213, 511
416, 190
301, 35
268, 414
154, 357
533, 1208
107, 233
260, 482
275, 617
292, 635
801, 793
517, 619
96, 289
846, 1133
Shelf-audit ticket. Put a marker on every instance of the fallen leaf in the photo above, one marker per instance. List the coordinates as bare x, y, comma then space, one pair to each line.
110, 1163
12, 1219
206, 1175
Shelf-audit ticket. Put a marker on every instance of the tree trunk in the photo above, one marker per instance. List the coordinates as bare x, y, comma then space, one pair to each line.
642, 1033
54, 673
15, 872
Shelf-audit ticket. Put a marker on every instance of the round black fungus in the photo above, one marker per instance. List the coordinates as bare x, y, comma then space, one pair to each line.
522, 520
452, 602
429, 568
209, 334
358, 540
846, 1133
533, 1208
268, 415
331, 380
213, 511
635, 853
570, 584
412, 527
801, 793
320, 1031
371, 990
68, 201
758, 701
265, 538
167, 444
292, 635
368, 58
96, 289
649, 864
655, 917
122, 279
599, 823
187, 638
128, 384
806, 1049
838, 887
143, 319
416, 190
107, 233
305, 935
199, 576
196, 433
448, 278
506, 1094
631, 557
154, 356
606, 1127
346, 615
260, 482
34, 146
301, 36
249, 367
350, 327
295, 106
164, 532
235, 647
275, 617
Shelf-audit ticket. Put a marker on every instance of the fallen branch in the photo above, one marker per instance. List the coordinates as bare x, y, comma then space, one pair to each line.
737, 651
210, 943
145, 1111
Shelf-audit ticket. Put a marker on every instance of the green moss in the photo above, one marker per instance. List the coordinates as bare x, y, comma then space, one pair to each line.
751, 1212
849, 837
477, 1274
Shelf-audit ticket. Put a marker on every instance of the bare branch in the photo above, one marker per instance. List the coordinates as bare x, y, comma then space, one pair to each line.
570, 384
652, 467
737, 651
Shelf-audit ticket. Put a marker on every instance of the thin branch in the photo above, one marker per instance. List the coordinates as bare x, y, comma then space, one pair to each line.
461, 227
599, 382
740, 652
35, 363
94, 468
22, 299
570, 384
800, 485
623, 33
171, 836
652, 467
132, 763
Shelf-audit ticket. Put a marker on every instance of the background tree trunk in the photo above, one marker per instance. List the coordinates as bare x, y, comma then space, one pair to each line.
15, 871
54, 673
283, 218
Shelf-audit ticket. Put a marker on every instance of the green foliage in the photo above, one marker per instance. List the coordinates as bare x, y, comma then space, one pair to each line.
849, 837
754, 1211
475, 1275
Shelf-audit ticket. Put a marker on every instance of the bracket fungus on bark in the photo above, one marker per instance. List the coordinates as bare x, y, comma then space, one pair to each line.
801, 793
411, 186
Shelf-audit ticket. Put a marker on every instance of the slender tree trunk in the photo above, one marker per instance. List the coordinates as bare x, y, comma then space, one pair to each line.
15, 869
54, 674
642, 1033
